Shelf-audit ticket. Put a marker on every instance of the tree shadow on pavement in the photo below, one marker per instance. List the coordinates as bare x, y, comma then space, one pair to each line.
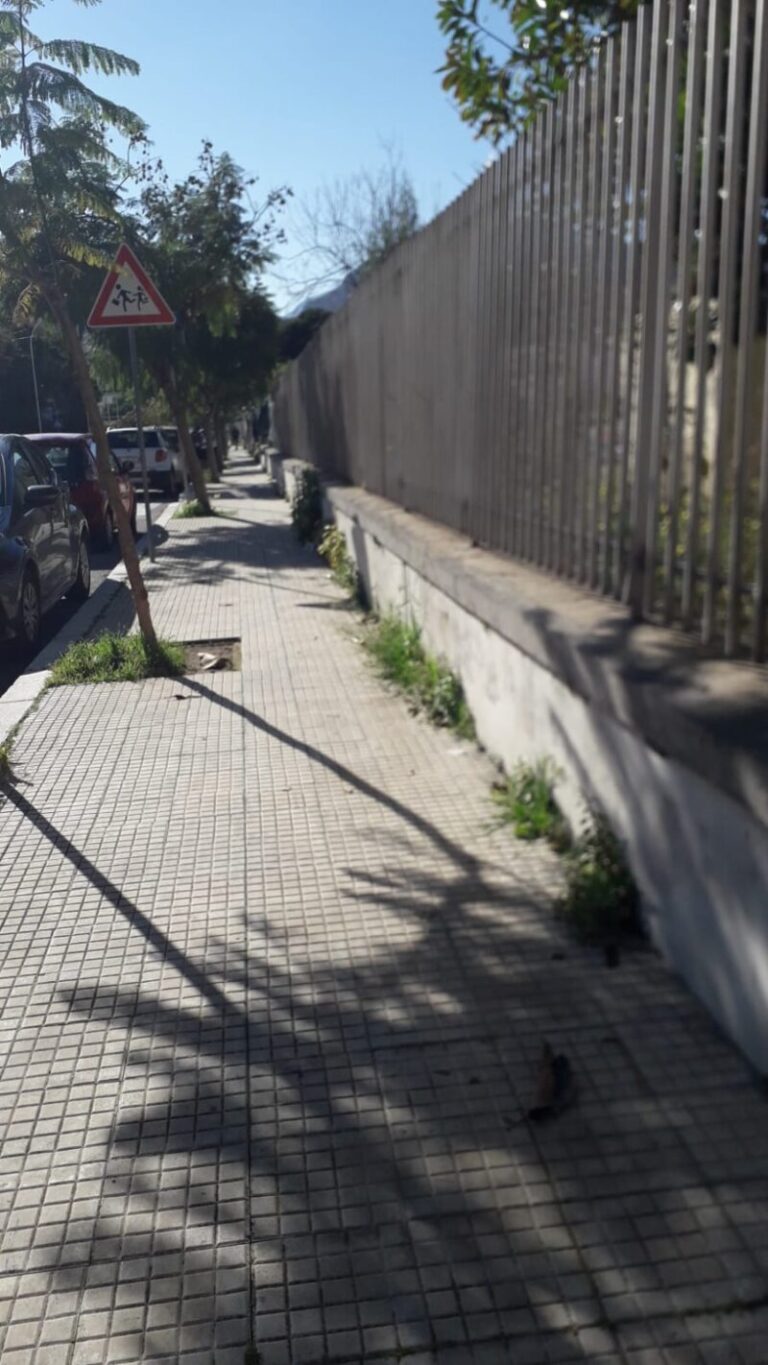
375, 1106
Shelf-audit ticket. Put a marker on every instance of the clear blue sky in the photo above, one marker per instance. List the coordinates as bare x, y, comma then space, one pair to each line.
299, 91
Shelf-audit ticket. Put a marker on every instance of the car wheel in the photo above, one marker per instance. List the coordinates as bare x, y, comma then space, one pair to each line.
82, 584
28, 618
108, 534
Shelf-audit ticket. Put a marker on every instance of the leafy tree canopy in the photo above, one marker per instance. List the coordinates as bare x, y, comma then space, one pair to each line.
506, 58
296, 333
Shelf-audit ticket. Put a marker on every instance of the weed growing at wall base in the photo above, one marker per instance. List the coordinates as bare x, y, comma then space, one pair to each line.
526, 800
6, 768
430, 687
307, 506
601, 899
333, 548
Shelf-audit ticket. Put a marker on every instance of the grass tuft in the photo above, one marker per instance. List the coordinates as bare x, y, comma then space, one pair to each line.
116, 658
431, 688
526, 801
194, 508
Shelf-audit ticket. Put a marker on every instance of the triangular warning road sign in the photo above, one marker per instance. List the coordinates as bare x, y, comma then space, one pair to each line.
128, 298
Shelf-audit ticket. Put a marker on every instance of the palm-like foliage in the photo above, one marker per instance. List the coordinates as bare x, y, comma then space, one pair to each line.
59, 200
41, 81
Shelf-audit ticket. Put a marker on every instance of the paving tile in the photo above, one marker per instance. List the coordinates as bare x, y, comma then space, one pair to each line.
273, 990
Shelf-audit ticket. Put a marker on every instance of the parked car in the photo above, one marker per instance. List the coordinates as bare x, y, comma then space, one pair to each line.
164, 466
74, 459
43, 541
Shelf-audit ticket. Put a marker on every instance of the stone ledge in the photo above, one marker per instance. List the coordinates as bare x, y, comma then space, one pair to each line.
709, 714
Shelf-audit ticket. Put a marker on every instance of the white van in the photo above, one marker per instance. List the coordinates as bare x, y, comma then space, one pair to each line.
164, 463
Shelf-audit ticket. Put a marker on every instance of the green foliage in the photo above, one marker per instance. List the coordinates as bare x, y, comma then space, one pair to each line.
296, 333
504, 62
206, 244
431, 687
601, 899
6, 767
307, 506
60, 184
333, 548
193, 508
116, 658
526, 800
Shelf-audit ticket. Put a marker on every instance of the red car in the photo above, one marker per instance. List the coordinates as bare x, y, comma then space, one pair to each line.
71, 454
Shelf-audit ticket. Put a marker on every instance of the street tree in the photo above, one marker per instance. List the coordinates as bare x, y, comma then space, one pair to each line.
353, 224
233, 366
296, 333
505, 59
59, 201
206, 241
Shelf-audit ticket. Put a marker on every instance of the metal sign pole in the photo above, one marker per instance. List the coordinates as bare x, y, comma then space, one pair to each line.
140, 429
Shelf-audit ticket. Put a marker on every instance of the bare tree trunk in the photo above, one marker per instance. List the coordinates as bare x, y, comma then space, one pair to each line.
98, 430
175, 398
222, 438
210, 438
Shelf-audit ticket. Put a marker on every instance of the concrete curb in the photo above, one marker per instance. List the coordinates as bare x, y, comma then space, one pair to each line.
22, 695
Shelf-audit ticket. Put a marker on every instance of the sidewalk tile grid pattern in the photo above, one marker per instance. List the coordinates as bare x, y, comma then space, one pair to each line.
274, 987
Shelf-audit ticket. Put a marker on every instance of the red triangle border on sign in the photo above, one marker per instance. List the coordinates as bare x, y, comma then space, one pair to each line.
163, 315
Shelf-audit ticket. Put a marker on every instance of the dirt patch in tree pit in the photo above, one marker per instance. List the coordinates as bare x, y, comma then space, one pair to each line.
212, 656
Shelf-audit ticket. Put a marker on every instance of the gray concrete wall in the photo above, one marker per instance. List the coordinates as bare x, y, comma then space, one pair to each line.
671, 746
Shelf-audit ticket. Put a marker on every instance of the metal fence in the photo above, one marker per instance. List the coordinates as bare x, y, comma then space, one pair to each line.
569, 363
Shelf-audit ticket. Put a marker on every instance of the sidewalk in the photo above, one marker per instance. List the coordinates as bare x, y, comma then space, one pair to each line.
273, 995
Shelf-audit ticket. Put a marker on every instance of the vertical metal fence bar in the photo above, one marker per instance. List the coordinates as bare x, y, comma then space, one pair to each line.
648, 401
561, 398
483, 359
492, 354
706, 257
546, 290
553, 352
495, 358
663, 267
524, 342
617, 292
510, 158
575, 367
540, 276
637, 162
455, 354
592, 245
515, 444
530, 313
603, 244
750, 285
761, 560
474, 332
537, 232
685, 238
726, 296
505, 350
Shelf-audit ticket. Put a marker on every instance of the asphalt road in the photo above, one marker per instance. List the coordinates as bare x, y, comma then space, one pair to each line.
11, 662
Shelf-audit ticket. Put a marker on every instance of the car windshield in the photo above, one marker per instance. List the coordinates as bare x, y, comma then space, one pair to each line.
129, 440
59, 455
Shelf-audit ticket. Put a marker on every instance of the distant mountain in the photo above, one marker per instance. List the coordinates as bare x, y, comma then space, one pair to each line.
332, 300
